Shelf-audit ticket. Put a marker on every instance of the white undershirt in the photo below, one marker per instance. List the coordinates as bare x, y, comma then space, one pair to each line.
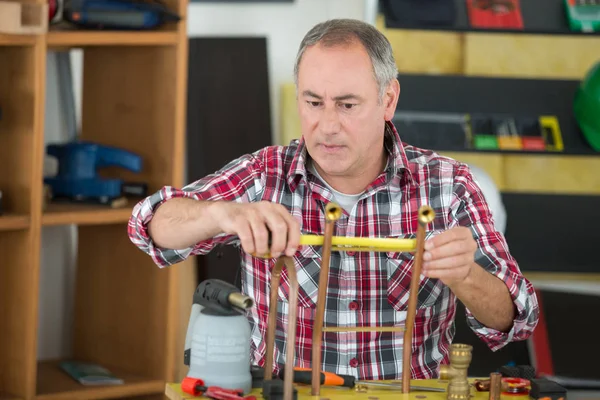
346, 201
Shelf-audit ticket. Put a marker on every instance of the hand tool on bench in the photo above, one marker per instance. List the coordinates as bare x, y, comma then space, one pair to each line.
304, 376
197, 387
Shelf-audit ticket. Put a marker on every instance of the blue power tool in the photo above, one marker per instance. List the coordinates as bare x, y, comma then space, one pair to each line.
117, 14
77, 178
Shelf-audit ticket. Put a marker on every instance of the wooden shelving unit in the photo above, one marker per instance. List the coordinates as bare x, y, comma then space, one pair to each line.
64, 214
13, 222
53, 384
127, 315
69, 38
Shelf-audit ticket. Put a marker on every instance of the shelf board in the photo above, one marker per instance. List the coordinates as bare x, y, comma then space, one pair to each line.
12, 222
84, 214
551, 20
16, 40
83, 38
6, 396
54, 384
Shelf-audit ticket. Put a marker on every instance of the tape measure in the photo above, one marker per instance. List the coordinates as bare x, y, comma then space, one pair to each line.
516, 386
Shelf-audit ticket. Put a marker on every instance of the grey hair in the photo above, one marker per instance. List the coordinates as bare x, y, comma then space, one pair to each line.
337, 32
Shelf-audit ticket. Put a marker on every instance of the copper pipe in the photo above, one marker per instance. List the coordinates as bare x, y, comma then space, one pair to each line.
288, 379
495, 386
364, 329
425, 216
333, 212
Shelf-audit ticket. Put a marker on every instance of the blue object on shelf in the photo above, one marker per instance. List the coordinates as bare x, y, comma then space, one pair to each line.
118, 14
78, 162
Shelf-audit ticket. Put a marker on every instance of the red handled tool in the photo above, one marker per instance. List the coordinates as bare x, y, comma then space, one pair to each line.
196, 387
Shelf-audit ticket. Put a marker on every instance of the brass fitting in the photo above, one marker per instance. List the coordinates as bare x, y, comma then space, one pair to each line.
426, 215
456, 372
333, 212
240, 300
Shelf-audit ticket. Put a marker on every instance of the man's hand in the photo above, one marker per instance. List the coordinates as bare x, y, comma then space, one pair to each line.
450, 256
255, 223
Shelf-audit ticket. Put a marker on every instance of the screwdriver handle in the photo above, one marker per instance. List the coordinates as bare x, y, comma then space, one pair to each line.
304, 375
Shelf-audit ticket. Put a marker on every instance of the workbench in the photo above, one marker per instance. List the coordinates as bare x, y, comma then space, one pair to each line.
173, 392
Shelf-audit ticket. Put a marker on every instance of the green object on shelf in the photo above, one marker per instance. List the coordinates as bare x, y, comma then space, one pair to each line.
90, 373
586, 107
583, 15
485, 142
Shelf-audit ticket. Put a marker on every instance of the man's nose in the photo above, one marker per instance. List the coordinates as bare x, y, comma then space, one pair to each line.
330, 121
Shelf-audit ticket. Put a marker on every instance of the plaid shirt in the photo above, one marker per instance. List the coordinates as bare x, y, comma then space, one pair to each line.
364, 289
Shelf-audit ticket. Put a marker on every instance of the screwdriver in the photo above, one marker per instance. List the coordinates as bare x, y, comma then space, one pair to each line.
304, 375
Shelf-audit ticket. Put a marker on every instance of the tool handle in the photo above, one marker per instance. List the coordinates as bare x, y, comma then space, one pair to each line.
304, 375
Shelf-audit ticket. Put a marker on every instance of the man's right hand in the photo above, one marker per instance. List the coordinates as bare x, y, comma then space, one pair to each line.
256, 223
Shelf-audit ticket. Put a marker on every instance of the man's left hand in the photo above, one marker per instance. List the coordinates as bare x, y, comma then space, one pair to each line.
450, 256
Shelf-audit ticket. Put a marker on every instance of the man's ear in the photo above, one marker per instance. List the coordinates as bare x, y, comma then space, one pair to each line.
390, 99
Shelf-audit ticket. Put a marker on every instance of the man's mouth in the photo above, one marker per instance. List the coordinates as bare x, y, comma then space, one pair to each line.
331, 147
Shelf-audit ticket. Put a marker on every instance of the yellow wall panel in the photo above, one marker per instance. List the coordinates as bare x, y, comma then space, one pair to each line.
424, 51
552, 174
530, 56
290, 121
493, 164
428, 52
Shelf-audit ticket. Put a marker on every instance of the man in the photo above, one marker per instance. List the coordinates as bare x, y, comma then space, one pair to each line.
350, 153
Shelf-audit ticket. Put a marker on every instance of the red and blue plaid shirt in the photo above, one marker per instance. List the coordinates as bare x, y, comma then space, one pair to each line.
364, 288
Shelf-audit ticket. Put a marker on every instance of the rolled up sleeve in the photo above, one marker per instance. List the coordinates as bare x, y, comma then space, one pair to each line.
494, 256
240, 180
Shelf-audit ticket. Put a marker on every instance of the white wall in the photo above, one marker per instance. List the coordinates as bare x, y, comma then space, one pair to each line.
282, 24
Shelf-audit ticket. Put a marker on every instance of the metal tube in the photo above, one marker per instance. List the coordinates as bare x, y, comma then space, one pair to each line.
425, 216
357, 243
362, 244
333, 212
495, 386
288, 383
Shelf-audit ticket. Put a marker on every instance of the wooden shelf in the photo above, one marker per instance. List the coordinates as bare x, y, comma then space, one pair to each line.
84, 214
16, 40
79, 38
54, 384
10, 222
6, 396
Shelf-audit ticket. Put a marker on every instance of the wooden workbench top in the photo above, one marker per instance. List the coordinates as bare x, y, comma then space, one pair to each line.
173, 392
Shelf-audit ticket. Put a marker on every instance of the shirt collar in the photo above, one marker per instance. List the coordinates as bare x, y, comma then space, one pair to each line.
397, 163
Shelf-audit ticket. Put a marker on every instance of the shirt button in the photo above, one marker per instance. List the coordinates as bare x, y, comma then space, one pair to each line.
353, 305
354, 363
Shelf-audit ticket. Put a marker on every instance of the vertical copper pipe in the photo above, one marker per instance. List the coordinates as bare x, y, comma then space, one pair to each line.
495, 386
332, 213
426, 215
272, 320
288, 383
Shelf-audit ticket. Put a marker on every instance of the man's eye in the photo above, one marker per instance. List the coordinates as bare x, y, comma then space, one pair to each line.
348, 106
314, 103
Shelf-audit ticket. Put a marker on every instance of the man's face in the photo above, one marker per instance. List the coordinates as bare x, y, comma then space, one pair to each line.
342, 117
